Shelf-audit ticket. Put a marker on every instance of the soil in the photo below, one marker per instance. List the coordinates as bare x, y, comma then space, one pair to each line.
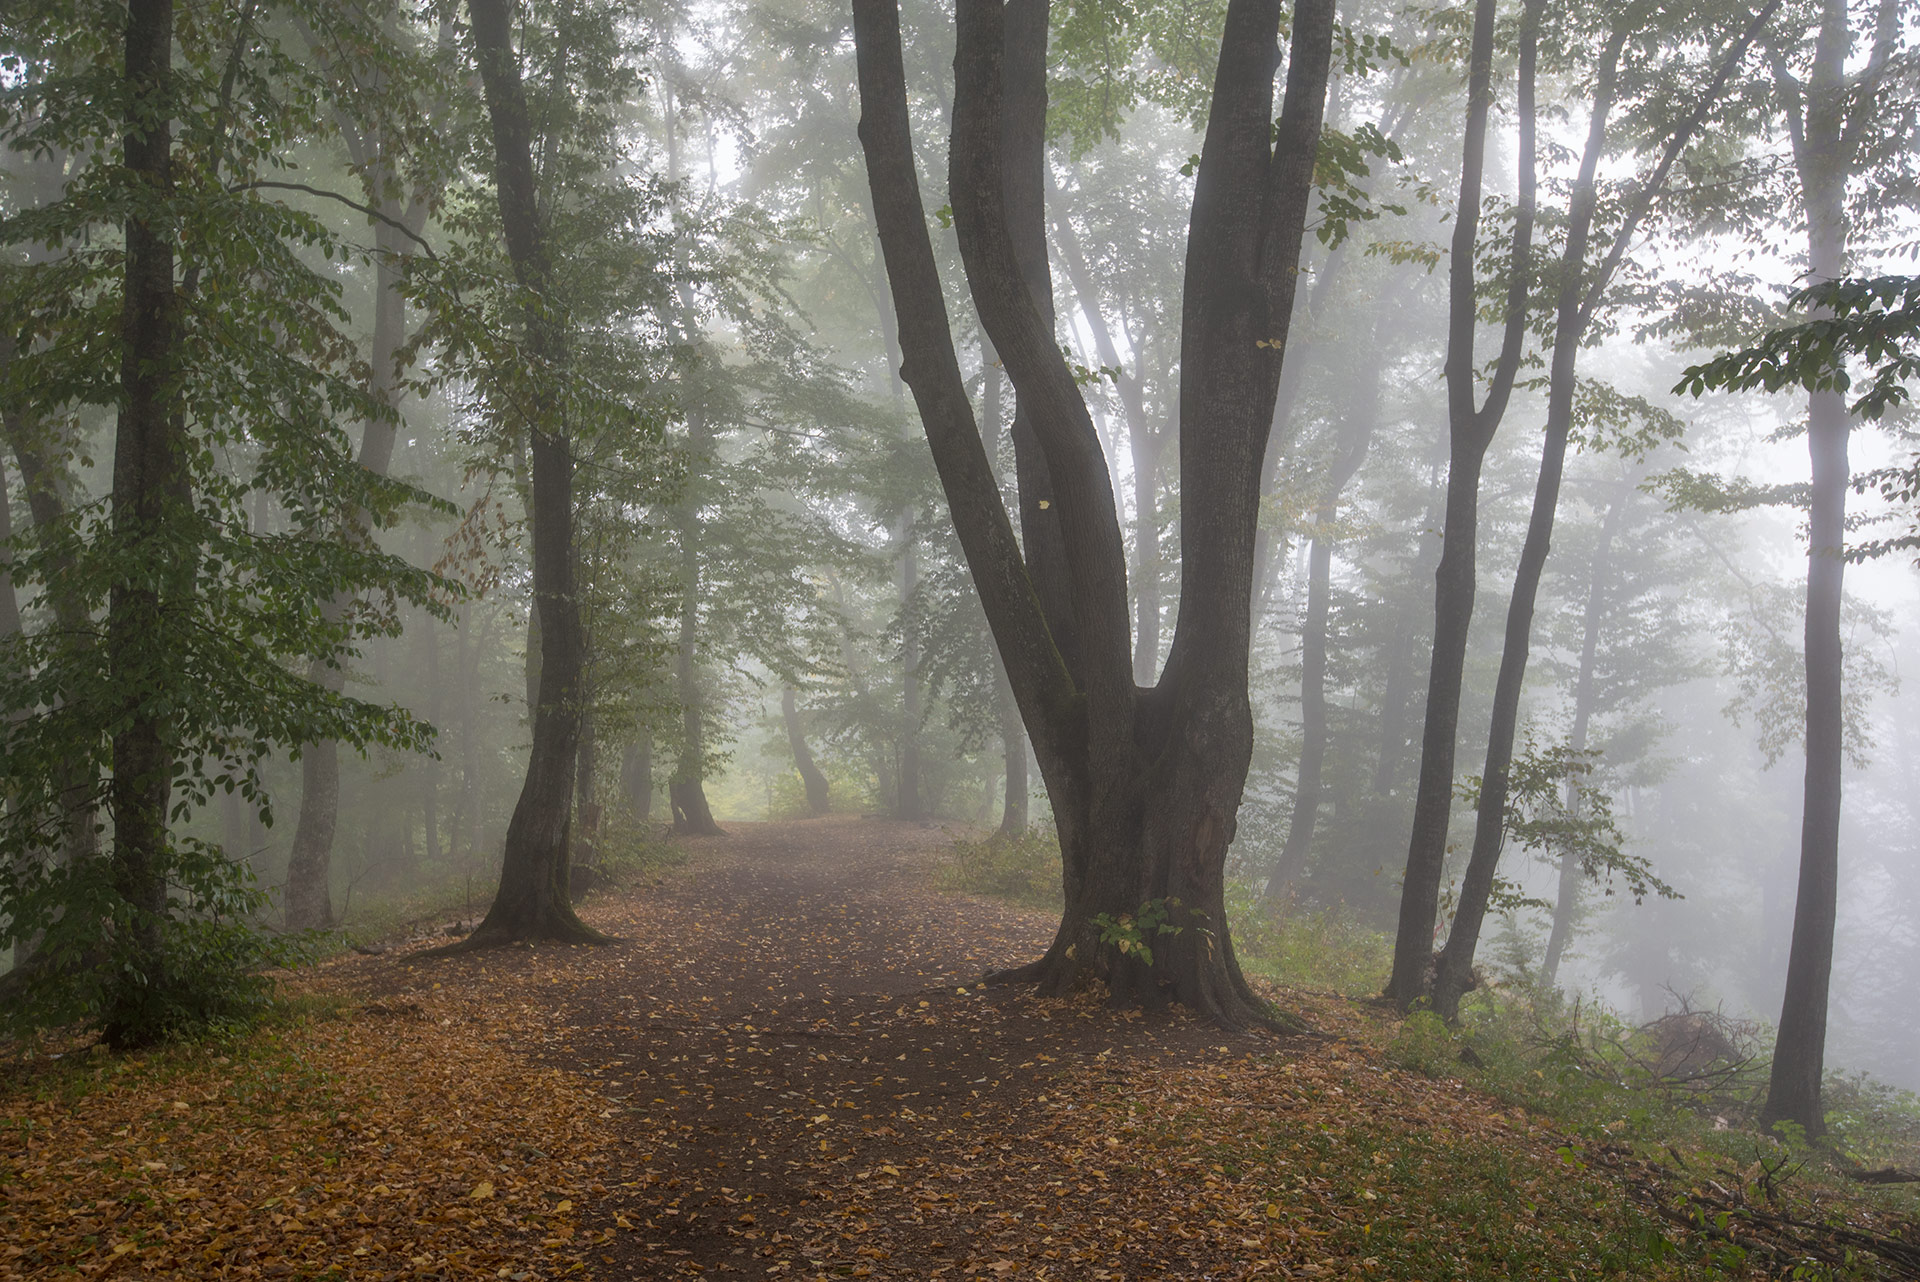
809, 1078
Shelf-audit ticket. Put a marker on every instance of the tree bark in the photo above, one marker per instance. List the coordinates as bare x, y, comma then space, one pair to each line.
810, 777
1145, 784
534, 900
1470, 430
149, 493
636, 776
1824, 149
1579, 298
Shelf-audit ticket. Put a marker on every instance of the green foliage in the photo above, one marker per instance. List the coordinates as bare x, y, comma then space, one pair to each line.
1023, 869
1132, 934
1874, 319
220, 661
1557, 808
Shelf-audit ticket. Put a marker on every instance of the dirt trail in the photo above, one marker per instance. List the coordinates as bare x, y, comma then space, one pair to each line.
809, 1079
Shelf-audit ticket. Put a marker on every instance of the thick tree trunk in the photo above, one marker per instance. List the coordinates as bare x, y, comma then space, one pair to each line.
810, 777
1145, 785
149, 492
534, 900
1470, 430
1567, 898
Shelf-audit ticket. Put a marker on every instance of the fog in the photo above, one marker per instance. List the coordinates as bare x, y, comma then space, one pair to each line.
764, 515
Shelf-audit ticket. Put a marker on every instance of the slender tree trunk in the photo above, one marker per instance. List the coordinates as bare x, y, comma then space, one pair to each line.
685, 790
534, 900
1579, 297
636, 776
1567, 898
1799, 1055
1470, 430
149, 493
309, 897
910, 801
1356, 438
429, 770
810, 777
1013, 745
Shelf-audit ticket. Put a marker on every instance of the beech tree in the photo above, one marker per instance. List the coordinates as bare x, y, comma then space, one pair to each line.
1471, 424
1145, 782
1581, 291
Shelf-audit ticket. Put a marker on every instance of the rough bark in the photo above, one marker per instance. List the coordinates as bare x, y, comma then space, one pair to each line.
1470, 430
810, 777
534, 900
1145, 784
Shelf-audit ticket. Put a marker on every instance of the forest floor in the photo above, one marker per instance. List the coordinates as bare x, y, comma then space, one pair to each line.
787, 1067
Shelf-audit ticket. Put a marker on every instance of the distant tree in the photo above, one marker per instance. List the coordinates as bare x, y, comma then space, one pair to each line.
1844, 146
1145, 783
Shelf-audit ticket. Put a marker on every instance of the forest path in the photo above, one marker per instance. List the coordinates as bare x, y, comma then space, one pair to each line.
810, 1080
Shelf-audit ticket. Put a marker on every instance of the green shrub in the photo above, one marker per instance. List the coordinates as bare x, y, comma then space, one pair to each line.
1024, 869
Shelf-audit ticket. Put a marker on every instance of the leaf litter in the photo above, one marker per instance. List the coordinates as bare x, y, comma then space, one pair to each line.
788, 1068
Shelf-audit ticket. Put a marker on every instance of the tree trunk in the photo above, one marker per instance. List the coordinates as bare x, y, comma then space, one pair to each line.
810, 776
9, 600
1799, 1054
636, 776
909, 801
429, 769
309, 898
1356, 438
685, 793
1579, 297
1470, 430
1013, 744
1145, 785
149, 492
534, 899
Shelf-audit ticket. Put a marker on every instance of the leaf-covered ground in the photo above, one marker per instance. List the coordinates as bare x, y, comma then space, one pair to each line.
787, 1068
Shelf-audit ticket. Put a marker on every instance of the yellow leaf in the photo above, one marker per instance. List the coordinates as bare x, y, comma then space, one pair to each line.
481, 1191
565, 1204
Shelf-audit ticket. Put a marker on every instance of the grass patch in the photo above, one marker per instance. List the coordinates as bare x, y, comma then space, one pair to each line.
1329, 949
1024, 870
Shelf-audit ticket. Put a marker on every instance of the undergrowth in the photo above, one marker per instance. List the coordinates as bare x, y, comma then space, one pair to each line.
1024, 869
